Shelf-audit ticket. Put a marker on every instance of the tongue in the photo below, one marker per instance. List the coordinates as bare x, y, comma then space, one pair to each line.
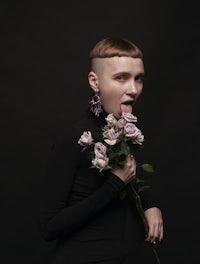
126, 108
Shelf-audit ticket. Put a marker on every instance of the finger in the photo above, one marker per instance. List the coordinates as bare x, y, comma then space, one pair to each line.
157, 234
160, 230
161, 233
130, 158
131, 164
154, 233
150, 235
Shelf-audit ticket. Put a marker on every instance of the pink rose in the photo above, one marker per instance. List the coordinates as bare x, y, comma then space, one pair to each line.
129, 117
130, 130
100, 149
100, 163
121, 122
138, 139
85, 139
110, 142
110, 136
111, 120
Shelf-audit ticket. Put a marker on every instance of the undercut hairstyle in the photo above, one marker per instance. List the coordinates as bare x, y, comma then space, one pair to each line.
111, 47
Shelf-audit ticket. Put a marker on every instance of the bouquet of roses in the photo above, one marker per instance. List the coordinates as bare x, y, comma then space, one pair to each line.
121, 137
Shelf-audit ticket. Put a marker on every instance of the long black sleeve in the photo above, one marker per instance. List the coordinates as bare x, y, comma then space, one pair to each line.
57, 216
74, 194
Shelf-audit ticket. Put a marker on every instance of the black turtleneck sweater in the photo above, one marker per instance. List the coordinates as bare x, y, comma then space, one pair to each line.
82, 209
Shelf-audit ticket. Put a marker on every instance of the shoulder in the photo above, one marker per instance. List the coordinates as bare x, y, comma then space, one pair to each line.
73, 129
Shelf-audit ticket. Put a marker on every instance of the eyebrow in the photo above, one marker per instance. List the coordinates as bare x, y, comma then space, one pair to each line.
141, 74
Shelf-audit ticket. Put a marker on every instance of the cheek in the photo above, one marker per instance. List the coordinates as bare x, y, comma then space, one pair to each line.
105, 97
109, 91
106, 91
108, 98
139, 91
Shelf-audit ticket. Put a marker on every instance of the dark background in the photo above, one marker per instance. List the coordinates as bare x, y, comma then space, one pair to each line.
44, 65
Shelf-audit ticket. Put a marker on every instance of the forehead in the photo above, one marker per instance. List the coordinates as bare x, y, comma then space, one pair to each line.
118, 64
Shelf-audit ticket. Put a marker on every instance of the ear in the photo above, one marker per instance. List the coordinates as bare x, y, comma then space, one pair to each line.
93, 81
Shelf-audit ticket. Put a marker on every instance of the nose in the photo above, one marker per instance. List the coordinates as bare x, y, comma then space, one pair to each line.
132, 90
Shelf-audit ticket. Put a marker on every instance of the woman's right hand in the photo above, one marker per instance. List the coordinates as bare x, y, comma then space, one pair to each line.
128, 172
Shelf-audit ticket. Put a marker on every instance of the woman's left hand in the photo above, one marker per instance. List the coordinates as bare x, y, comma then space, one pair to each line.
155, 223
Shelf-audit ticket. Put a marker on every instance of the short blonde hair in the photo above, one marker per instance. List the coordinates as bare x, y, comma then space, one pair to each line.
111, 47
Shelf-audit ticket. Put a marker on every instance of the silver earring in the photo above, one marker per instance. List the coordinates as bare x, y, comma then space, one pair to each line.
95, 105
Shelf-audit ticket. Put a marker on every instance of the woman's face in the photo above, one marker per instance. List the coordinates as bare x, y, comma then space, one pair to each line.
118, 81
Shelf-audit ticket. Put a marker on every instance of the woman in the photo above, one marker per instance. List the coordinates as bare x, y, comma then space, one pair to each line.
82, 209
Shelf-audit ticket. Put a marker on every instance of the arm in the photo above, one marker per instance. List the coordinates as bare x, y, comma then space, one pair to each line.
152, 213
155, 223
151, 209
58, 218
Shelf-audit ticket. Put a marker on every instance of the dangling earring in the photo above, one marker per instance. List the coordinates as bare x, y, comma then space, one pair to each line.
95, 105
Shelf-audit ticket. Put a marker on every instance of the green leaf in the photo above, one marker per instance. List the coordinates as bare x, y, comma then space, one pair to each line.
121, 162
138, 180
147, 167
143, 188
124, 148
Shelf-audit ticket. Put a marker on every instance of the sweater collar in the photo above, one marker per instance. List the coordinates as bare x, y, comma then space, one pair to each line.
101, 119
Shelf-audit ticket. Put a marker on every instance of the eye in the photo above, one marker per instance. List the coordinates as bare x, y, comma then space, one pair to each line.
139, 78
121, 77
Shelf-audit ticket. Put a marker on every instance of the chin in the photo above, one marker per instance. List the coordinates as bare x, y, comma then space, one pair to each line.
118, 115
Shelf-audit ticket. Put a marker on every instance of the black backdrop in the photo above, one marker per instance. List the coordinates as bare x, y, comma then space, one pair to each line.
44, 65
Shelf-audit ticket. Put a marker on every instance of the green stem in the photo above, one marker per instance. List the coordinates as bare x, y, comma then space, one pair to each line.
141, 212
155, 253
140, 209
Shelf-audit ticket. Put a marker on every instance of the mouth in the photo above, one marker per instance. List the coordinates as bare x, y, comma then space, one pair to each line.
127, 106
